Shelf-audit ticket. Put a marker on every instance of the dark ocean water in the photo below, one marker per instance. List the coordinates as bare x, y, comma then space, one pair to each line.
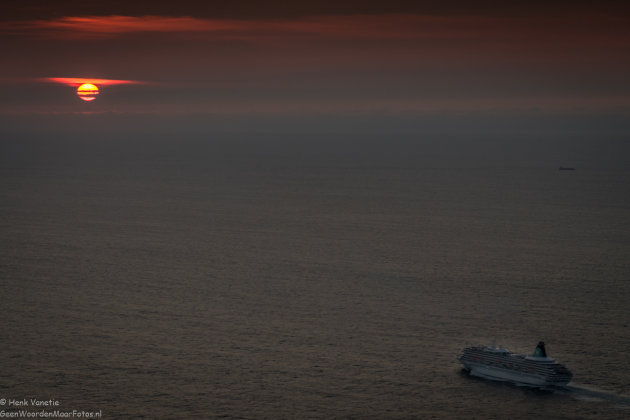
258, 278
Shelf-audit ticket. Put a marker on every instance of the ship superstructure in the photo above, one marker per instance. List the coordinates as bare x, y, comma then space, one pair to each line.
499, 364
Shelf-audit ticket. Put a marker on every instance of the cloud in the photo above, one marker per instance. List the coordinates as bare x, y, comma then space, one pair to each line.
106, 26
76, 81
385, 26
455, 35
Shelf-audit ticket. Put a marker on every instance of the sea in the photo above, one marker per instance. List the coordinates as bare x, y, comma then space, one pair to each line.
314, 275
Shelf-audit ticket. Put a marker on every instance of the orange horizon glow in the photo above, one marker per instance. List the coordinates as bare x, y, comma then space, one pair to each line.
78, 81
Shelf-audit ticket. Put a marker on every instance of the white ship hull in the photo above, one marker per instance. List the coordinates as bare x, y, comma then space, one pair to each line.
505, 375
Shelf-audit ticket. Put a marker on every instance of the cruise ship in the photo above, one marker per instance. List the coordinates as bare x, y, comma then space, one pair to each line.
498, 364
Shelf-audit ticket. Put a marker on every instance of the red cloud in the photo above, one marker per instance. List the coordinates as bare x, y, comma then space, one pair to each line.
568, 29
112, 25
77, 81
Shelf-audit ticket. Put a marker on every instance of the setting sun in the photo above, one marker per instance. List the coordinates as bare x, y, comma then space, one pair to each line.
87, 91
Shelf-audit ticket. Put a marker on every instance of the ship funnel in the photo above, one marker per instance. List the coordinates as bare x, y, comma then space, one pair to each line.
540, 350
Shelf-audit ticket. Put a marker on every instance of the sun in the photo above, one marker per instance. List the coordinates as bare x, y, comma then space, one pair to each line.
87, 91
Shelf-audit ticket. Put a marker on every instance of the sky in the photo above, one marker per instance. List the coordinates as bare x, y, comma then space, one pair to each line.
369, 59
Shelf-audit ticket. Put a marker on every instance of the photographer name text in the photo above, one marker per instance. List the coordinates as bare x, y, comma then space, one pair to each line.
32, 403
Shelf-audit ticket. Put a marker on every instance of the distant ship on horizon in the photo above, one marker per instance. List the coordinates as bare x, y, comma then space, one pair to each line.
498, 364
